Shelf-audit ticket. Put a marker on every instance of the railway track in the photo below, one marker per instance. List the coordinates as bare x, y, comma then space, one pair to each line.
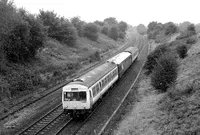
73, 126
57, 87
42, 125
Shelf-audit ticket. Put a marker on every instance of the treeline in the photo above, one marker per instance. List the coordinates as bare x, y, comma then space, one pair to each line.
155, 29
22, 33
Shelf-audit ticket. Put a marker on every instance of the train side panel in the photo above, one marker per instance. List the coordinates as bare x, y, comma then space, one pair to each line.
124, 65
104, 84
134, 52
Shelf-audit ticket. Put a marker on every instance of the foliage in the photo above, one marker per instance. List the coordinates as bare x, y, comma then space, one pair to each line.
78, 24
170, 28
122, 26
183, 26
91, 31
122, 35
141, 29
165, 72
110, 21
22, 80
22, 43
197, 28
100, 23
59, 28
191, 40
113, 33
191, 29
182, 51
95, 57
154, 29
153, 56
105, 30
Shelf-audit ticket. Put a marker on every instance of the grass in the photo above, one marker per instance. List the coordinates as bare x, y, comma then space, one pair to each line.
55, 62
174, 112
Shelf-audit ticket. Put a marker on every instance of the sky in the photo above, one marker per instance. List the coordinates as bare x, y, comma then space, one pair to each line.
133, 12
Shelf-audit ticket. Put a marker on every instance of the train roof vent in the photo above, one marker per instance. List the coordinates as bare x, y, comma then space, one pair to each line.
77, 80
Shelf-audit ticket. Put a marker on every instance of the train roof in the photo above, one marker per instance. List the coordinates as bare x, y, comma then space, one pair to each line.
119, 58
94, 75
131, 49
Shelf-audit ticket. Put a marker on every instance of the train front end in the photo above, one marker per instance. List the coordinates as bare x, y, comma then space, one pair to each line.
75, 99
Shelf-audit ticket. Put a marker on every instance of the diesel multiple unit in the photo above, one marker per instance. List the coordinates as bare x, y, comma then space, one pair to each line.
80, 95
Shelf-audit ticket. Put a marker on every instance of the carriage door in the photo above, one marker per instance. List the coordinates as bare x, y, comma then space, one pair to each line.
91, 99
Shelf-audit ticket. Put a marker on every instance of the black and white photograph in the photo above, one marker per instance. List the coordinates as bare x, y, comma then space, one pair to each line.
99, 67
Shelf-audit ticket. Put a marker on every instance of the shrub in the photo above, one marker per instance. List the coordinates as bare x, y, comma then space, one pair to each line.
170, 28
165, 72
182, 51
95, 57
22, 81
191, 29
58, 28
78, 24
22, 43
113, 33
153, 56
122, 26
191, 41
91, 31
122, 35
105, 30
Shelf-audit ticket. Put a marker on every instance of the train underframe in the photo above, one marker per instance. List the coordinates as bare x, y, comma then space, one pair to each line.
78, 113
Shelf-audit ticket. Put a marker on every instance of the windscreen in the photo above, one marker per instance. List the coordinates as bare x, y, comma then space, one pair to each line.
75, 96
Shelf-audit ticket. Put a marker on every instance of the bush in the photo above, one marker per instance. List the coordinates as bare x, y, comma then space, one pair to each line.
91, 31
165, 72
105, 30
78, 24
182, 51
153, 56
122, 35
113, 33
191, 41
170, 28
95, 57
22, 81
22, 43
58, 28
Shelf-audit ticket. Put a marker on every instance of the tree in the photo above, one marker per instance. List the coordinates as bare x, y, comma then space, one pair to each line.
170, 28
165, 72
78, 24
100, 23
111, 21
122, 26
59, 28
141, 29
197, 28
154, 29
22, 43
105, 30
191, 29
91, 31
183, 26
113, 33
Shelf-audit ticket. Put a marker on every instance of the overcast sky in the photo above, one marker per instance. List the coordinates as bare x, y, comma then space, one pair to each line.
133, 12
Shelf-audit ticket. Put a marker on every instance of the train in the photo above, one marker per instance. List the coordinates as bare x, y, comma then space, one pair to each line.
81, 94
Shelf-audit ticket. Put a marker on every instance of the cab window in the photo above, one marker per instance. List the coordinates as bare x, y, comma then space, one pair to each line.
75, 96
